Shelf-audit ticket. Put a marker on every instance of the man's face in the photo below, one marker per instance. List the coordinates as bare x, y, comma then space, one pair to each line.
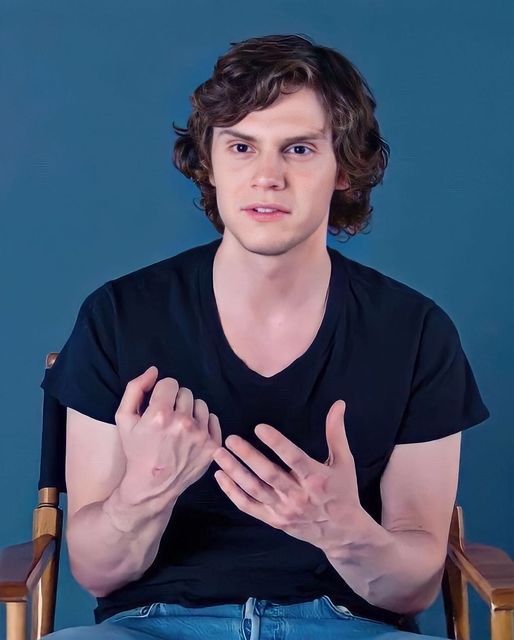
253, 161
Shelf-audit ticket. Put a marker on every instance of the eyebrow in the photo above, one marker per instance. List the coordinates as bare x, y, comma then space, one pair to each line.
311, 135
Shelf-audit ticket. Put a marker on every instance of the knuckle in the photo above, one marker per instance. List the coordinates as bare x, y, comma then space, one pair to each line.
184, 422
255, 487
296, 461
161, 417
274, 479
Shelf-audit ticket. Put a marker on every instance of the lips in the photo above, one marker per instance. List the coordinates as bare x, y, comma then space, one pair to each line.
267, 205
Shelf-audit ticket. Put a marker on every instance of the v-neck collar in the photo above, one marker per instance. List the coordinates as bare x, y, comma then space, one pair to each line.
336, 294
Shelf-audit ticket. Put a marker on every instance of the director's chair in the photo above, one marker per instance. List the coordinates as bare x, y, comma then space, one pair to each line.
29, 571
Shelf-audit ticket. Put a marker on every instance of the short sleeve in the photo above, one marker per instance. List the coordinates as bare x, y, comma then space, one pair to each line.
85, 374
444, 396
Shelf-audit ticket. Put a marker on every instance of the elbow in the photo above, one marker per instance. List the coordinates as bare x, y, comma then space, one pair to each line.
88, 582
101, 582
427, 596
428, 592
415, 606
410, 604
409, 599
418, 604
97, 592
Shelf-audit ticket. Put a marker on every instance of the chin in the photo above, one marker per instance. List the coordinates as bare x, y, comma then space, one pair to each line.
277, 246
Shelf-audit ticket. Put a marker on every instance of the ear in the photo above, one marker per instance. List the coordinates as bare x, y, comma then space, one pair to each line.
211, 179
342, 182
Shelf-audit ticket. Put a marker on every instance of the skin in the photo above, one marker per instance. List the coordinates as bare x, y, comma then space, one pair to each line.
259, 271
260, 279
260, 266
307, 503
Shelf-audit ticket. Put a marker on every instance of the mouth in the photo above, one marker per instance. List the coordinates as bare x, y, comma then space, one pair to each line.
266, 207
265, 214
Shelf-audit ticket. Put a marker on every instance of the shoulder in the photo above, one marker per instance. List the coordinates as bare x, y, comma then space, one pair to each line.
182, 265
366, 280
390, 303
150, 281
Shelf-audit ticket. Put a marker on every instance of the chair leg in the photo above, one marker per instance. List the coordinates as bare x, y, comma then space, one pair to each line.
502, 625
43, 601
16, 618
456, 603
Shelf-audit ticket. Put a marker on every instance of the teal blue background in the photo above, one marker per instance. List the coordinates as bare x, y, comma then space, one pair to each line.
88, 92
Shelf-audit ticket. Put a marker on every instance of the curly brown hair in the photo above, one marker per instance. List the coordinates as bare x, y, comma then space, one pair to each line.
250, 77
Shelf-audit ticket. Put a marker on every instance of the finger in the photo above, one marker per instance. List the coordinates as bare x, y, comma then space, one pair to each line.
242, 500
215, 429
128, 409
265, 469
244, 478
295, 458
184, 401
201, 411
165, 392
337, 441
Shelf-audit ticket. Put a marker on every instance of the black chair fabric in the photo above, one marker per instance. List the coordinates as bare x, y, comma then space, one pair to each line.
53, 445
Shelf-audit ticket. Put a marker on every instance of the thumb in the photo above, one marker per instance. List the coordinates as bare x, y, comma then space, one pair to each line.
338, 447
127, 414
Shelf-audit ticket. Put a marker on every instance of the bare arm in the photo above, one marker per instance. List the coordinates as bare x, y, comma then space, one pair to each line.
123, 482
399, 565
111, 541
396, 565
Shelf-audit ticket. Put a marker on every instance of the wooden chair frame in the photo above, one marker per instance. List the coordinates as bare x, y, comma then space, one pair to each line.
29, 572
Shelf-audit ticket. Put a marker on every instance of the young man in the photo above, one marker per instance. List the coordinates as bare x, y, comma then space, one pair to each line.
330, 397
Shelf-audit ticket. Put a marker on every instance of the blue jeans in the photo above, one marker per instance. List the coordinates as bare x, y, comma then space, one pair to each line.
317, 619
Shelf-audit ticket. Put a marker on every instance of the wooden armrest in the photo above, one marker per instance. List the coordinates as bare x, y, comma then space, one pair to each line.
489, 570
22, 565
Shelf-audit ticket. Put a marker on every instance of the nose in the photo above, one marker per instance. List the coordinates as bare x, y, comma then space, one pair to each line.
268, 171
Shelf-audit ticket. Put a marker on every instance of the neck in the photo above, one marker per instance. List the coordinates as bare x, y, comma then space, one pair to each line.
270, 287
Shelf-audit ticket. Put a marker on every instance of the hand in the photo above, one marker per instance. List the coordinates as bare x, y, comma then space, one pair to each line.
171, 445
312, 502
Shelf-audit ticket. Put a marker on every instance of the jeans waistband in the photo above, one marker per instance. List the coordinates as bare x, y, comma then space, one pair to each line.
249, 613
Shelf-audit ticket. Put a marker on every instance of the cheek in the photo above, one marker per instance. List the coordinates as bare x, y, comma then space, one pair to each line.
319, 189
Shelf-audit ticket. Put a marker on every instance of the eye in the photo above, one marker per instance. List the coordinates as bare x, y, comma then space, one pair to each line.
238, 144
301, 146
296, 146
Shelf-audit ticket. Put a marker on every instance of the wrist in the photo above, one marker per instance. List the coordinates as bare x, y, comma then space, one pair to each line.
145, 503
137, 489
121, 515
350, 536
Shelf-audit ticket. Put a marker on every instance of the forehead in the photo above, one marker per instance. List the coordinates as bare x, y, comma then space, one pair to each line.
301, 111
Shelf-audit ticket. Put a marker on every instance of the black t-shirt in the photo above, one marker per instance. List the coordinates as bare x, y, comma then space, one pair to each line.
391, 353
